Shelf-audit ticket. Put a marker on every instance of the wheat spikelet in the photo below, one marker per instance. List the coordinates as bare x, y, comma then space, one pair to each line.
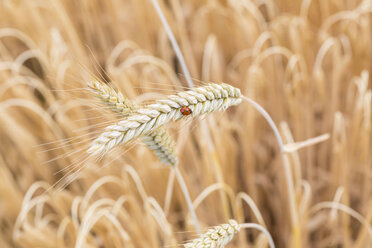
112, 98
162, 145
202, 100
216, 237
159, 141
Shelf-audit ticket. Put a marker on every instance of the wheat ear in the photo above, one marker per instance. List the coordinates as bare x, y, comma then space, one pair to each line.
159, 141
216, 237
220, 236
202, 100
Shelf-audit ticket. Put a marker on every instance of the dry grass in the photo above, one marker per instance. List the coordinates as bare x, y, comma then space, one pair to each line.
308, 63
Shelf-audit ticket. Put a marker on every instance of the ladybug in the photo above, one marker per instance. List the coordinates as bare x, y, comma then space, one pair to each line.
185, 110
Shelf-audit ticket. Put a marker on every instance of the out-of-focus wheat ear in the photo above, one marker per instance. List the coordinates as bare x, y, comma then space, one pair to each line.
216, 237
162, 145
202, 100
159, 141
112, 98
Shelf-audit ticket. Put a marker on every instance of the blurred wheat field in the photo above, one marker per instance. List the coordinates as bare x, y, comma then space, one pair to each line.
308, 63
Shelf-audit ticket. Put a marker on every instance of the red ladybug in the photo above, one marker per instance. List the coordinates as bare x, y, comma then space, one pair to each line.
185, 110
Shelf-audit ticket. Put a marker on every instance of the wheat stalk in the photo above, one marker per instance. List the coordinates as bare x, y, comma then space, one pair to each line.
159, 141
202, 100
216, 237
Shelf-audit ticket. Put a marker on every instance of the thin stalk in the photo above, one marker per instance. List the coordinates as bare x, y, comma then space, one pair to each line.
262, 229
216, 168
168, 194
174, 43
187, 198
288, 173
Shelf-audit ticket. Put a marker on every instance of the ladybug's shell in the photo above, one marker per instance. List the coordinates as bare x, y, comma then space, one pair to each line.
185, 110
